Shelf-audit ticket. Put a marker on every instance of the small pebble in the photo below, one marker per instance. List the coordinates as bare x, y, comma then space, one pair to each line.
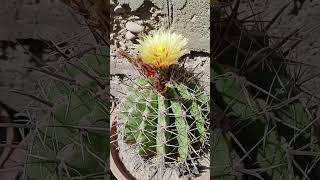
153, 10
112, 35
134, 27
122, 44
118, 9
130, 36
121, 31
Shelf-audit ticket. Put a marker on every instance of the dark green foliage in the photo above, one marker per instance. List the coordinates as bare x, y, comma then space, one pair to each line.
70, 139
264, 130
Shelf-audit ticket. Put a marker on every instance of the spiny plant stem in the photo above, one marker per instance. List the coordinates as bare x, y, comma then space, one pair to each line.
33, 97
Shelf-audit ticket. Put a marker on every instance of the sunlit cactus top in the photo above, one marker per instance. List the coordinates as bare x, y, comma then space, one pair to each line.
162, 48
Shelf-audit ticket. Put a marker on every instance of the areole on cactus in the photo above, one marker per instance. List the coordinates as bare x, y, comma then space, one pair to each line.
166, 113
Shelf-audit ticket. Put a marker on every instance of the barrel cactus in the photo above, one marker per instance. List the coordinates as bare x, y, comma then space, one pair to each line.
165, 114
264, 124
155, 121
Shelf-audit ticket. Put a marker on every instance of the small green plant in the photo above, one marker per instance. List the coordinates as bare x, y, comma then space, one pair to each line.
165, 114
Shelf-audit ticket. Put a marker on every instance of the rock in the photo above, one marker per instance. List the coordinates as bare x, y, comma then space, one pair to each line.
134, 27
119, 9
122, 45
130, 36
112, 35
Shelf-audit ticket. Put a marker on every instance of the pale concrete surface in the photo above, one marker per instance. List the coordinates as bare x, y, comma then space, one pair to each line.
190, 18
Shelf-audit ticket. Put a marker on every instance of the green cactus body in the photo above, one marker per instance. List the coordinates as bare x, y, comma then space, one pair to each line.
165, 125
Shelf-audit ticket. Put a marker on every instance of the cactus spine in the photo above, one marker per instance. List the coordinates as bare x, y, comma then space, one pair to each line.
70, 137
166, 125
262, 128
165, 115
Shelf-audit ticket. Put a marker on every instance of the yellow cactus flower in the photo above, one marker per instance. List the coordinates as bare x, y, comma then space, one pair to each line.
162, 48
